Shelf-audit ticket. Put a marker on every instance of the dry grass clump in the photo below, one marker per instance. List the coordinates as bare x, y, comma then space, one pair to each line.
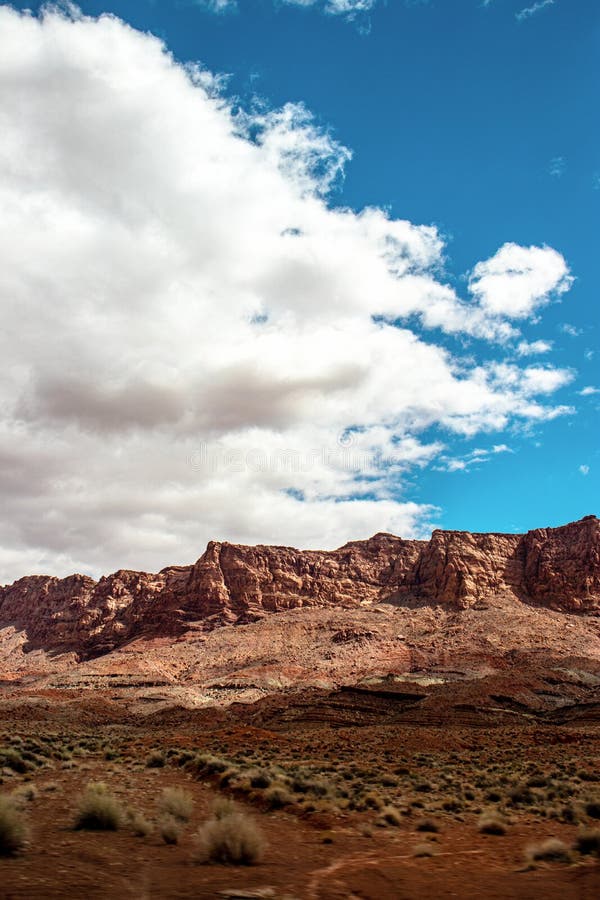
592, 809
550, 850
155, 760
588, 841
13, 830
139, 824
428, 825
277, 797
169, 829
492, 823
223, 807
25, 794
229, 837
390, 816
176, 802
98, 809
425, 849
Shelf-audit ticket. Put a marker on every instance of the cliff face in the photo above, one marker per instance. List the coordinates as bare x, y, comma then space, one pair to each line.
554, 567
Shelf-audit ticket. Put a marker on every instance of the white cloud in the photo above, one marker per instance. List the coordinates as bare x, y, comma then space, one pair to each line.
467, 461
347, 8
585, 470
518, 280
531, 348
528, 11
337, 7
589, 391
557, 166
184, 312
571, 330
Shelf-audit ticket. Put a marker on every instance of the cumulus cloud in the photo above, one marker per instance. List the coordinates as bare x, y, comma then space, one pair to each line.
197, 343
530, 348
517, 280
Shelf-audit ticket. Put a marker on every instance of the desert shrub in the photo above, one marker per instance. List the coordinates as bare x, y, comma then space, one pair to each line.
428, 825
425, 849
520, 795
234, 839
98, 809
423, 787
176, 802
389, 781
207, 764
259, 779
390, 816
569, 814
155, 760
223, 807
588, 841
169, 829
586, 775
315, 786
139, 824
492, 823
25, 794
372, 800
592, 809
551, 850
277, 797
13, 830
13, 759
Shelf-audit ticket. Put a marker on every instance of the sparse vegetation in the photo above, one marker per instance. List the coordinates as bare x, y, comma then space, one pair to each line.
169, 829
230, 837
176, 802
492, 823
588, 841
13, 829
550, 850
98, 809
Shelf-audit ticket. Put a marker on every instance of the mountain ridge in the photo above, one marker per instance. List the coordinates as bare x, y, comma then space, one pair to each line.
556, 568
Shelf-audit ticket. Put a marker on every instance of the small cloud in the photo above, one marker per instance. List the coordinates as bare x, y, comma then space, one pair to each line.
557, 166
529, 11
588, 391
529, 348
571, 330
596, 181
585, 470
466, 462
218, 6
588, 355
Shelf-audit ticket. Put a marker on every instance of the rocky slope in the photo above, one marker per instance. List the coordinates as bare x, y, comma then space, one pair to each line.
554, 568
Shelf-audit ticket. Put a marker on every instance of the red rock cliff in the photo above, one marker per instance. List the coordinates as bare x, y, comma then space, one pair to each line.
554, 567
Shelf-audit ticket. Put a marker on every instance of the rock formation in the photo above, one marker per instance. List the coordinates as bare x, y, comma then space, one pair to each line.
556, 568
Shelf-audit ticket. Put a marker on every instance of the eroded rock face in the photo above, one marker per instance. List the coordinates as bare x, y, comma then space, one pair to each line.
554, 567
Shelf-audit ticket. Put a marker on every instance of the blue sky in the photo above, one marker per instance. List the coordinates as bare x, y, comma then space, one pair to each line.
480, 119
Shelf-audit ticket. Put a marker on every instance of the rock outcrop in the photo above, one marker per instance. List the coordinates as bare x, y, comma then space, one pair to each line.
558, 568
